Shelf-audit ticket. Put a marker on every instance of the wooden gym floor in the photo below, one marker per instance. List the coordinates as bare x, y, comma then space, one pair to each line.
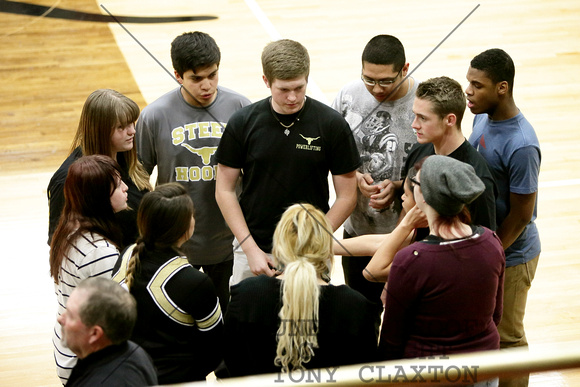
50, 65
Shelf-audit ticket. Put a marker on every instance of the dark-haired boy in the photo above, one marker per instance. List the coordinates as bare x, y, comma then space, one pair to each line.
179, 133
508, 142
378, 108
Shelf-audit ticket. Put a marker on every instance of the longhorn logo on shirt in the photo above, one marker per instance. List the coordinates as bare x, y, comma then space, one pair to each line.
309, 139
205, 153
309, 146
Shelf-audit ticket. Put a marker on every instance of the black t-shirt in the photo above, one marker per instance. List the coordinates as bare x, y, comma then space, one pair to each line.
280, 169
482, 209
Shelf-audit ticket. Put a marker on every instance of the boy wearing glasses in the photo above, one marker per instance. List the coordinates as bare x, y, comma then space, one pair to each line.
378, 108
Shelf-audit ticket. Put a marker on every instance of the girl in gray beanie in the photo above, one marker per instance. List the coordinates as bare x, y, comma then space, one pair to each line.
448, 185
444, 293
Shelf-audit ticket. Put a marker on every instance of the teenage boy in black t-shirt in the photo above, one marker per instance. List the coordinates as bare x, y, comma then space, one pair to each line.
285, 145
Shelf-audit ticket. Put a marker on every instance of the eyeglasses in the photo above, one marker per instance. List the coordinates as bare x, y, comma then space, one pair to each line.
414, 183
382, 82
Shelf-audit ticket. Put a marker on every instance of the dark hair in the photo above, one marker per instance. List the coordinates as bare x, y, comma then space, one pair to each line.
89, 185
164, 216
411, 173
385, 50
446, 96
109, 306
497, 65
285, 59
194, 50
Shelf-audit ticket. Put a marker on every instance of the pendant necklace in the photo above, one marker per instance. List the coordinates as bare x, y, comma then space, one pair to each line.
287, 127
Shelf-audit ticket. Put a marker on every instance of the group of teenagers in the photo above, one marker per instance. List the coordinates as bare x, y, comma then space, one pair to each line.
228, 259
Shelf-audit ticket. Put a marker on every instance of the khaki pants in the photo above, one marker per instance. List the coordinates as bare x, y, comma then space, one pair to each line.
517, 281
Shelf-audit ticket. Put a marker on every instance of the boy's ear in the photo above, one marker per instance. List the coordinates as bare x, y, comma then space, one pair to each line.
178, 77
502, 88
266, 81
450, 119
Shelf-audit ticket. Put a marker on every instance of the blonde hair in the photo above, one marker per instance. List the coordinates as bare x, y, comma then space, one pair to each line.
103, 110
285, 59
302, 245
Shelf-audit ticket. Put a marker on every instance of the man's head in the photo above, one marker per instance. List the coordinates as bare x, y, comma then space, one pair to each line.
286, 66
383, 67
99, 313
439, 106
196, 59
491, 81
285, 59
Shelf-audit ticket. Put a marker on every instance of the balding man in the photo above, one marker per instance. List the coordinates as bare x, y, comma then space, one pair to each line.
96, 326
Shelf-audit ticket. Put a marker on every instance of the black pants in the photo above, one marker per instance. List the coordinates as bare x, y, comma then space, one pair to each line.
353, 268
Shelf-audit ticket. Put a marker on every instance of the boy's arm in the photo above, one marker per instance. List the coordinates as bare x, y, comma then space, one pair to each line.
345, 188
521, 212
229, 205
524, 169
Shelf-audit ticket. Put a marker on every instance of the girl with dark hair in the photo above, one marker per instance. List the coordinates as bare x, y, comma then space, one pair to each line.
86, 239
106, 127
179, 317
298, 320
444, 294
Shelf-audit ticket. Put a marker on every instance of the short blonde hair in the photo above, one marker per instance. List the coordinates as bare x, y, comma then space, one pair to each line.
302, 245
285, 59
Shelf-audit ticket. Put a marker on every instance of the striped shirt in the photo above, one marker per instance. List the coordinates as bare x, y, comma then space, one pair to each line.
91, 255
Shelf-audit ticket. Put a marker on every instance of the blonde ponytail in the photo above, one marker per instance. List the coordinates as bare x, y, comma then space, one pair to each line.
303, 247
297, 334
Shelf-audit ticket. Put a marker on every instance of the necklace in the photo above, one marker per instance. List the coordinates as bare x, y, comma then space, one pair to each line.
287, 127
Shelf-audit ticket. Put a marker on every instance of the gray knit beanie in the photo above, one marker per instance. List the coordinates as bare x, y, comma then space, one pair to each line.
447, 184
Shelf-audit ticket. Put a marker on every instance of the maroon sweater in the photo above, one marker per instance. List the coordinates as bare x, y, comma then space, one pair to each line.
444, 298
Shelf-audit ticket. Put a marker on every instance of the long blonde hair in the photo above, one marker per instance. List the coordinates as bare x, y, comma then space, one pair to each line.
102, 111
302, 245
